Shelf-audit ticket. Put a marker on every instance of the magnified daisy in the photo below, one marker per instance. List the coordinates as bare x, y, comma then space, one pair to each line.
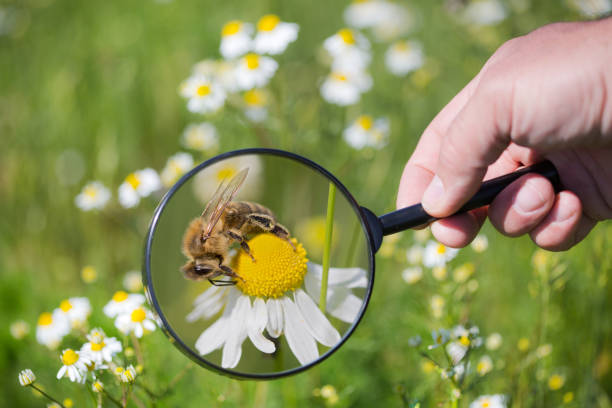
137, 185
176, 166
276, 297
367, 132
254, 71
255, 105
235, 39
345, 88
200, 136
403, 57
273, 35
203, 94
94, 196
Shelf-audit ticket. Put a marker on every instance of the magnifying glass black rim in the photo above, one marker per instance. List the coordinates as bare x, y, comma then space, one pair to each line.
148, 283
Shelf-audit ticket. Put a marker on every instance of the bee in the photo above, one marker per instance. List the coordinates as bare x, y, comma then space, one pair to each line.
223, 222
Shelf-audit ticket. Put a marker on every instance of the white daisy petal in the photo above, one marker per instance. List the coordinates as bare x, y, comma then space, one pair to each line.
345, 277
343, 305
214, 336
274, 326
232, 350
61, 372
207, 304
256, 323
300, 341
319, 326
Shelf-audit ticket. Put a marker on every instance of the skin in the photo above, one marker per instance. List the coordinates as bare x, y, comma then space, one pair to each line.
546, 95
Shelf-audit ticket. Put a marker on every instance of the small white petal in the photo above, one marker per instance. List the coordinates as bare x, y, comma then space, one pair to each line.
61, 372
256, 323
232, 350
275, 318
300, 341
344, 305
213, 337
319, 326
346, 277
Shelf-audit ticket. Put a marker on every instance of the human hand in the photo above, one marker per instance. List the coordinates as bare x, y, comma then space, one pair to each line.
545, 95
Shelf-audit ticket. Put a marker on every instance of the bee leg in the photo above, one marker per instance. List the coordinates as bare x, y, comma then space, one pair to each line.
237, 236
219, 282
227, 271
282, 232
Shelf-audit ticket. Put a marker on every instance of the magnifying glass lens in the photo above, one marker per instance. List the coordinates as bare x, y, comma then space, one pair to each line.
259, 265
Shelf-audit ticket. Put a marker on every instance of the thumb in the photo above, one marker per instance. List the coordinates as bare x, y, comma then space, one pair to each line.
475, 139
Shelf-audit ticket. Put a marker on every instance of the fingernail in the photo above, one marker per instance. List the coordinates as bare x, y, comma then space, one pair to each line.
529, 199
433, 194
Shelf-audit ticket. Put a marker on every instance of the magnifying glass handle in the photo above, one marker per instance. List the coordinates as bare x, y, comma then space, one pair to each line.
415, 215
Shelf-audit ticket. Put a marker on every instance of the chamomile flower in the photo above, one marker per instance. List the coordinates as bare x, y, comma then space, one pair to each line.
414, 254
493, 341
484, 12
132, 281
97, 386
484, 365
126, 375
403, 57
122, 303
26, 377
480, 243
436, 254
176, 166
51, 328
367, 132
489, 401
365, 13
19, 329
200, 136
100, 349
556, 382
591, 8
74, 366
273, 35
255, 102
412, 274
76, 310
203, 94
218, 71
440, 338
138, 321
254, 71
349, 50
396, 20
235, 39
94, 196
345, 88
137, 185
206, 182
436, 305
281, 301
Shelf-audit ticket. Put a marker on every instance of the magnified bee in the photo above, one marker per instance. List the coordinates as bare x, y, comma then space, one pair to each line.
208, 238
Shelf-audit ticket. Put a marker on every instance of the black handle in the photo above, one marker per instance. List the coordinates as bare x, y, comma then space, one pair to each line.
415, 215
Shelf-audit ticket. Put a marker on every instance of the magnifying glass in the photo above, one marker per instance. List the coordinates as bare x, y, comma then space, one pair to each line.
260, 263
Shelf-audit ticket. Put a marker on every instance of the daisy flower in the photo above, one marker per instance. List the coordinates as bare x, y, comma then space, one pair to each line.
74, 366
440, 338
97, 386
94, 196
480, 243
412, 275
138, 321
484, 366
132, 281
137, 185
176, 166
367, 132
345, 88
122, 303
396, 20
235, 39
126, 375
349, 49
403, 57
254, 71
414, 254
206, 182
489, 401
591, 8
386, 19
201, 136
463, 340
280, 301
484, 12
76, 310
203, 94
255, 102
436, 254
273, 35
100, 349
493, 341
51, 328
19, 329
26, 377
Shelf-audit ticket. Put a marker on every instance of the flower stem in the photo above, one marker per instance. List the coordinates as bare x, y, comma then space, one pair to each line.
137, 349
329, 227
47, 395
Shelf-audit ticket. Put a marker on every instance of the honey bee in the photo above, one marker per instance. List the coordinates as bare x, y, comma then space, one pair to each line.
223, 222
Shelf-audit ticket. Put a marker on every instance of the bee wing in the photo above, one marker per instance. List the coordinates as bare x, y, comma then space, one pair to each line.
225, 195
212, 204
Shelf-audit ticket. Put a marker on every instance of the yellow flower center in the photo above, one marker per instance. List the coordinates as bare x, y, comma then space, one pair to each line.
231, 28
226, 173
480, 367
65, 305
91, 191
441, 249
45, 319
402, 46
97, 346
138, 315
555, 382
347, 36
120, 296
253, 97
89, 274
252, 61
339, 77
464, 340
133, 180
203, 90
365, 121
486, 404
278, 268
69, 357
118, 370
268, 22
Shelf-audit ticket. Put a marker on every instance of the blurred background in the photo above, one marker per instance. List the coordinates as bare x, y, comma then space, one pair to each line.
97, 91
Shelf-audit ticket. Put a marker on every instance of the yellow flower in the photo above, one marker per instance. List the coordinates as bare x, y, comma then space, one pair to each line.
555, 382
523, 344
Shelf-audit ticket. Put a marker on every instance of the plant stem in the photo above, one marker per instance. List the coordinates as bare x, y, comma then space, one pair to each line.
329, 227
137, 349
47, 395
